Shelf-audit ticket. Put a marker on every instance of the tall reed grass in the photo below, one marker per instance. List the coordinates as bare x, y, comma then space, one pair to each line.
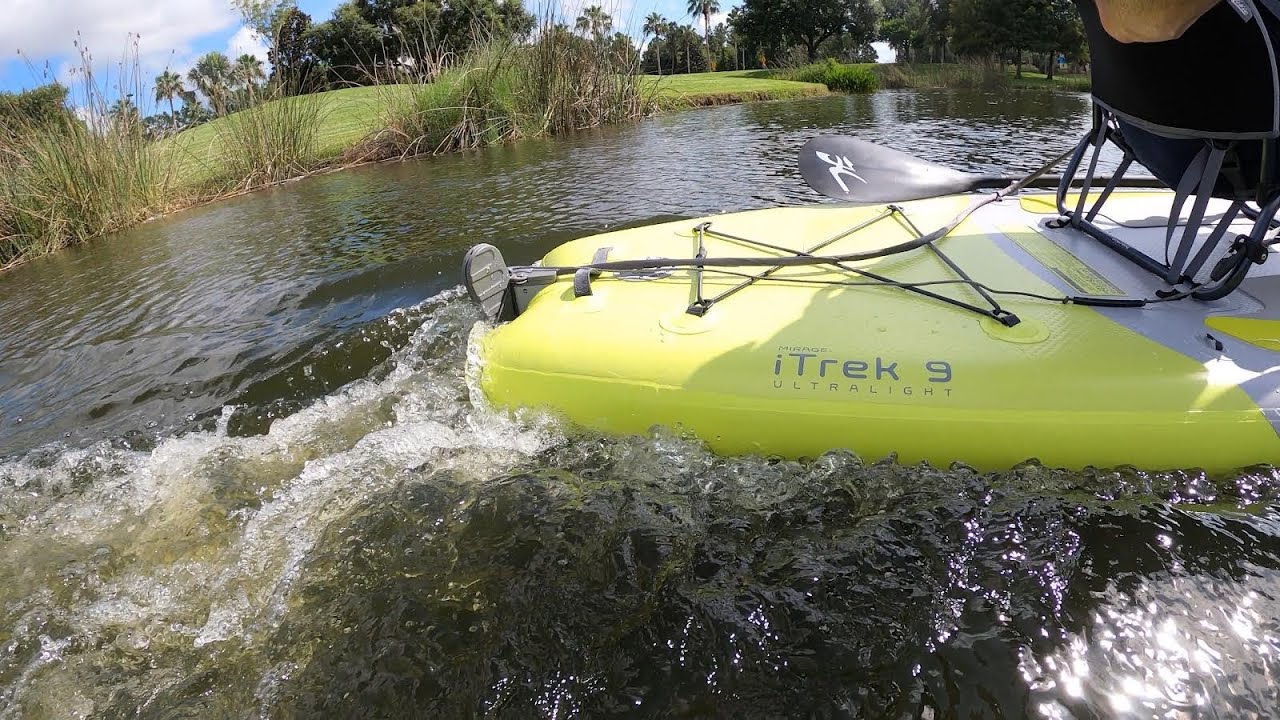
76, 177
502, 91
88, 175
941, 75
269, 143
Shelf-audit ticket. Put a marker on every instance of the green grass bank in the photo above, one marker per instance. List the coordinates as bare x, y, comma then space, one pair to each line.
350, 118
61, 186
972, 75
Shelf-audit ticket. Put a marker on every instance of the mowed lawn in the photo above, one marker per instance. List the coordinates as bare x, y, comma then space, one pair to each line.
703, 88
344, 117
347, 116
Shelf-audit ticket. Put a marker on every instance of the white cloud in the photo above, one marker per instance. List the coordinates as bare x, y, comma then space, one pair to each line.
108, 28
129, 41
247, 41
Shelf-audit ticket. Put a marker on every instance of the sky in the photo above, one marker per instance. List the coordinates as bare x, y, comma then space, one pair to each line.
42, 40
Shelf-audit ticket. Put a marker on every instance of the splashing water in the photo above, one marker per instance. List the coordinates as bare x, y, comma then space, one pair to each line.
356, 533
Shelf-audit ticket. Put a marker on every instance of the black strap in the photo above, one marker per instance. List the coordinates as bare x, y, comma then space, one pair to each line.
1098, 141
1112, 185
582, 278
1214, 238
1201, 175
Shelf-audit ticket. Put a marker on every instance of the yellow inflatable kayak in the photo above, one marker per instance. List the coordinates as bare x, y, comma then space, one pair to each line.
1008, 339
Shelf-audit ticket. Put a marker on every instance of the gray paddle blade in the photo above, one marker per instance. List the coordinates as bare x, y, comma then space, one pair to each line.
486, 278
855, 170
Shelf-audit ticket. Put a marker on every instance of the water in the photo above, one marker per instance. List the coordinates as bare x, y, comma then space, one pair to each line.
243, 475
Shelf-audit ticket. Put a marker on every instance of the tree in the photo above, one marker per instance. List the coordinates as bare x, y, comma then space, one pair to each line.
982, 27
775, 24
687, 51
991, 27
38, 107
247, 72
722, 56
402, 28
212, 77
192, 113
898, 28
264, 17
594, 21
655, 24
159, 125
705, 8
1067, 36
516, 22
348, 46
290, 57
622, 48
169, 86
415, 27
909, 26
936, 20
734, 21
860, 29
124, 115
462, 22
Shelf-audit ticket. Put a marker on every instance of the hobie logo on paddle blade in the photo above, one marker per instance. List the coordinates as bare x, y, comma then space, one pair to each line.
840, 166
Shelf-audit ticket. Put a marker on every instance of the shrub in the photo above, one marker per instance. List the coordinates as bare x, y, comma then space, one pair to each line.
838, 77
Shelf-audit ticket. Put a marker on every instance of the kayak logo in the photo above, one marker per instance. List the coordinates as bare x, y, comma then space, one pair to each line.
840, 165
816, 370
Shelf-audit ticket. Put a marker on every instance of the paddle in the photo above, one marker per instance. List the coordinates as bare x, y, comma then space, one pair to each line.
854, 170
847, 168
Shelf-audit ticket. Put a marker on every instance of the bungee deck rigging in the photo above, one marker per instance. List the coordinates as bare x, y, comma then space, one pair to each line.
480, 259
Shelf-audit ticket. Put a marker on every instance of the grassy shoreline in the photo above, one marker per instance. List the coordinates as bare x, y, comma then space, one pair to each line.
297, 137
292, 138
970, 75
352, 115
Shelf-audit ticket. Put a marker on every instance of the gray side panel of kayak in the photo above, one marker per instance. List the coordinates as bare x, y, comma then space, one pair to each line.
1170, 325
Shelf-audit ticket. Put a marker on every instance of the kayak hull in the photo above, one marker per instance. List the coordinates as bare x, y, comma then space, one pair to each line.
793, 365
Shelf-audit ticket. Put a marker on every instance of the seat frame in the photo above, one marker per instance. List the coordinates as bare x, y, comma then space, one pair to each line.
1181, 272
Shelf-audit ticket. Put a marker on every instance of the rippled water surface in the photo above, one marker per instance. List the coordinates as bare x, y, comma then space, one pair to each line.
244, 475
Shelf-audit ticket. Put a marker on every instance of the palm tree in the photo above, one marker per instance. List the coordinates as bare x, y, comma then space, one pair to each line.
705, 8
682, 32
124, 115
735, 22
168, 87
248, 71
594, 20
655, 24
211, 76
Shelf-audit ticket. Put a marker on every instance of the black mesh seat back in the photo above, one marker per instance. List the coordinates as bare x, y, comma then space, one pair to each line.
1219, 80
